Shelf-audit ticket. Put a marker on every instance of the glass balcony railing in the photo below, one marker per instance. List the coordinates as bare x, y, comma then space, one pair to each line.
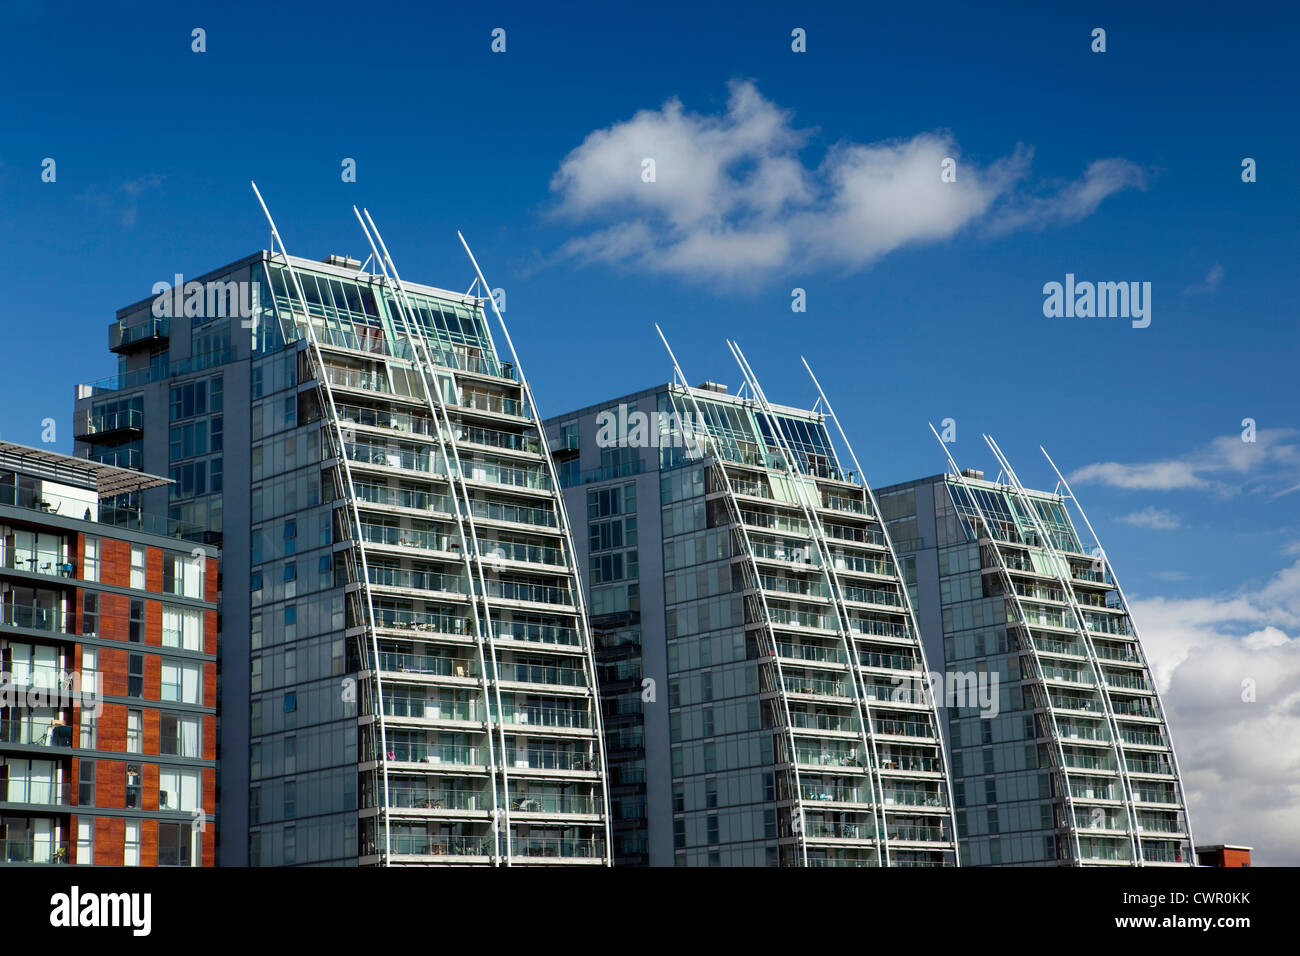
918, 834
549, 717
397, 619
537, 633
558, 847
427, 664
810, 652
527, 553
422, 845
33, 616
405, 537
837, 793
818, 686
898, 662
414, 580
33, 850
415, 752
805, 721
873, 596
420, 708
40, 792
41, 732
123, 336
159, 373
904, 728
550, 760
497, 404
536, 593
827, 757
517, 514
537, 802
416, 797
52, 562
542, 674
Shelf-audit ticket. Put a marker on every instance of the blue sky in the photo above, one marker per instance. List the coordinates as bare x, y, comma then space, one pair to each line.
155, 145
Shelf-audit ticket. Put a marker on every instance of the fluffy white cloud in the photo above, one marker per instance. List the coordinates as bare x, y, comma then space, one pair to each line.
1229, 674
732, 198
1157, 519
1226, 465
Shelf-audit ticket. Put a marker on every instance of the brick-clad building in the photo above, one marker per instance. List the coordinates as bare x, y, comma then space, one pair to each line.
108, 675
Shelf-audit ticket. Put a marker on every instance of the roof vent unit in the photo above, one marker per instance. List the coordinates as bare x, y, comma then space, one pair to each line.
973, 473
712, 387
343, 262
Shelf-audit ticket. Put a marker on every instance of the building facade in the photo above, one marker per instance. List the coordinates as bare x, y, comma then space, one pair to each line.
1077, 766
406, 674
761, 672
108, 651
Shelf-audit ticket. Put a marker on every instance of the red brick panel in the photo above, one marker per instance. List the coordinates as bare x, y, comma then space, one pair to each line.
210, 737
113, 666
115, 562
110, 841
152, 732
112, 728
115, 617
152, 677
153, 623
149, 842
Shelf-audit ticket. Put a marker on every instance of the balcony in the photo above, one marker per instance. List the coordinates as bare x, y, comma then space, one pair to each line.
108, 426
124, 338
33, 617
534, 847
33, 850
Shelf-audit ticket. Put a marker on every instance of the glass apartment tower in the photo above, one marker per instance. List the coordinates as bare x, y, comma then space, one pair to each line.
1077, 767
407, 673
761, 672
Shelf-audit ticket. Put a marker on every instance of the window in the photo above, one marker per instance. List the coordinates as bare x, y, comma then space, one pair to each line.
178, 789
89, 728
179, 736
85, 841
290, 800
182, 628
89, 668
136, 626
89, 613
182, 682
183, 574
133, 778
135, 676
176, 845
86, 783
90, 563
137, 567
134, 731
291, 702
132, 854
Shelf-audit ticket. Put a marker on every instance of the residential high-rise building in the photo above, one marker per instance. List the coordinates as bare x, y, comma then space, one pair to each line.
406, 675
108, 650
1077, 766
763, 682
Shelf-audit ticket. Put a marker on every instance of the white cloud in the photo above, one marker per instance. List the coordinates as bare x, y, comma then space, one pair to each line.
1209, 283
1226, 465
1240, 758
1157, 519
732, 197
